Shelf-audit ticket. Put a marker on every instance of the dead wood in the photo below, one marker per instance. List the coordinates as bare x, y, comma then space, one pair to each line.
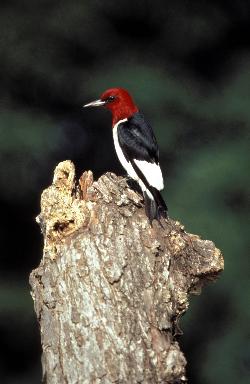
110, 288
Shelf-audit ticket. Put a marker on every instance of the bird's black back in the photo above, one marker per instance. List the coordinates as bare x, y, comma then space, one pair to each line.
137, 139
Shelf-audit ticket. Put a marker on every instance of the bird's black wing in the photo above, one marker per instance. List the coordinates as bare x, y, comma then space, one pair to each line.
137, 139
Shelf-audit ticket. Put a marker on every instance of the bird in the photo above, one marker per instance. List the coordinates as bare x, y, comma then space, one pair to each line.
136, 148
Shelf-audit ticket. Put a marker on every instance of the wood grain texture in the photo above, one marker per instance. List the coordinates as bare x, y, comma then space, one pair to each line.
110, 288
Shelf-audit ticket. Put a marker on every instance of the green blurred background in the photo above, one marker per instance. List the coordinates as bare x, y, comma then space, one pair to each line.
187, 63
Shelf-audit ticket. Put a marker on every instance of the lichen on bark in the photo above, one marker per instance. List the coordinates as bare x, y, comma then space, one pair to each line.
110, 288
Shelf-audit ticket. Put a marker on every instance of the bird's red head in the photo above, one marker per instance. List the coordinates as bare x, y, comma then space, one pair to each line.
118, 101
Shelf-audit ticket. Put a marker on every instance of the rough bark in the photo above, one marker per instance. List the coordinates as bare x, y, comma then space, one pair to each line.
110, 288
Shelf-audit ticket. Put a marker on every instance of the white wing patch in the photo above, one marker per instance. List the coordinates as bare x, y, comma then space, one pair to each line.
152, 173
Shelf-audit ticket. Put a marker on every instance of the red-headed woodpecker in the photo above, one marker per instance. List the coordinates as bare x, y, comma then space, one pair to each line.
136, 148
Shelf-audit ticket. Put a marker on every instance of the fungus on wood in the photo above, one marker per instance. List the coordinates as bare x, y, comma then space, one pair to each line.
110, 288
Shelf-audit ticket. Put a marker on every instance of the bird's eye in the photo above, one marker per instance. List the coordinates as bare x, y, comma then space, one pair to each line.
110, 99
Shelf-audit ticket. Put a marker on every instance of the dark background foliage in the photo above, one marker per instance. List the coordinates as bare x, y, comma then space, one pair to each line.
187, 63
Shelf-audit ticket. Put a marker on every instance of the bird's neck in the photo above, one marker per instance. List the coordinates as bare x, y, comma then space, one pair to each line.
123, 112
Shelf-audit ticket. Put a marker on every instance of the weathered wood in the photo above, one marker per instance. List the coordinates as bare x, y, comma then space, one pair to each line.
109, 289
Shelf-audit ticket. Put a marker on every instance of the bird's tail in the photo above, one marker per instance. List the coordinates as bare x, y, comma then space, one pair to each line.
155, 206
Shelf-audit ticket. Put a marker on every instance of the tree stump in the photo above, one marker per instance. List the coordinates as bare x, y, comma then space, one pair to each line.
110, 288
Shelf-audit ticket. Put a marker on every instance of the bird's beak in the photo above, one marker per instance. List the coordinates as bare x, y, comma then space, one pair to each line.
96, 103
